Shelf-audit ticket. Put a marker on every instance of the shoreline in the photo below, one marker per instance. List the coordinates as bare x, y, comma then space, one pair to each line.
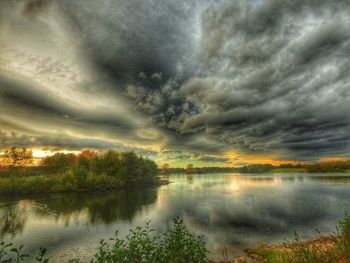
282, 252
46, 192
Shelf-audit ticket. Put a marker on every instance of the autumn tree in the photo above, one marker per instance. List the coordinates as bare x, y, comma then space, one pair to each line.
165, 169
17, 157
190, 169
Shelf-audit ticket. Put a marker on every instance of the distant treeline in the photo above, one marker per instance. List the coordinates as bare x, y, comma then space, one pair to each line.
200, 170
87, 171
324, 167
256, 168
329, 167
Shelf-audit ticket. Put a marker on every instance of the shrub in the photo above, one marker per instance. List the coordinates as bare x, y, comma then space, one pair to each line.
177, 245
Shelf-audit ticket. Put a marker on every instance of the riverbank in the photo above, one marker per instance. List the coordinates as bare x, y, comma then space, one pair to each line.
314, 248
326, 249
51, 184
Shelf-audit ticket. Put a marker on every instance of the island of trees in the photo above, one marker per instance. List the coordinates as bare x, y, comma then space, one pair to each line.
61, 172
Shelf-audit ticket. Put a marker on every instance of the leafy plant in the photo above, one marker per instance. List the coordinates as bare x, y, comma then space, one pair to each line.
177, 245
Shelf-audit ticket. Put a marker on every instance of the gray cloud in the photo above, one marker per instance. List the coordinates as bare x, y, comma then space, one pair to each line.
63, 141
208, 158
208, 76
275, 78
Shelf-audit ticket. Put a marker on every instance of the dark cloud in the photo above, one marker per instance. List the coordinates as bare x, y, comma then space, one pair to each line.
208, 76
207, 158
276, 78
33, 7
132, 41
63, 141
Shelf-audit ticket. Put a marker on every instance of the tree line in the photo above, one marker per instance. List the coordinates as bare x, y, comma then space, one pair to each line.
322, 167
89, 170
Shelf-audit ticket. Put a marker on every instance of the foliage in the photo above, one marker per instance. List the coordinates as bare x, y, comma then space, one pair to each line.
324, 167
165, 169
190, 169
177, 245
256, 168
203, 170
11, 254
16, 157
288, 170
328, 167
69, 172
328, 250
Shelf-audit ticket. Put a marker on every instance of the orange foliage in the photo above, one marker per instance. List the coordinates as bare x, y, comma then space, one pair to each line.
17, 157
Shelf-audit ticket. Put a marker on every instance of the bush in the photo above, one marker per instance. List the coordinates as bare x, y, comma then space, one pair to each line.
140, 246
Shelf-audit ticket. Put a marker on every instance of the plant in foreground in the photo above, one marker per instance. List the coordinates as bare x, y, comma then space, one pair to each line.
330, 249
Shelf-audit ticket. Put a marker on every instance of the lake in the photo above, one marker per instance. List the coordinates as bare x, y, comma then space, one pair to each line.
232, 211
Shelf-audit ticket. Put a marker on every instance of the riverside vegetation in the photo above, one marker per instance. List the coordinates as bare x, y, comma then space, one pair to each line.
177, 245
87, 171
326, 249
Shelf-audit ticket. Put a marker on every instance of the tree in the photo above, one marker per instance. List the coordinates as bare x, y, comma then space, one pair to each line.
165, 169
17, 157
59, 162
190, 169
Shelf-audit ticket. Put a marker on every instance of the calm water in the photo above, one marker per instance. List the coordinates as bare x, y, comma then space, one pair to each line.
232, 210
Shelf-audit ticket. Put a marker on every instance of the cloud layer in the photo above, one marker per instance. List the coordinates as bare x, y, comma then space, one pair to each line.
261, 77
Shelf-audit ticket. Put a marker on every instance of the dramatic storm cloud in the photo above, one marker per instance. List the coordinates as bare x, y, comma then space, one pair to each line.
213, 80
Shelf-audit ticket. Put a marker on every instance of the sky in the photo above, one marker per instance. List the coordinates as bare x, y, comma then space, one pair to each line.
213, 83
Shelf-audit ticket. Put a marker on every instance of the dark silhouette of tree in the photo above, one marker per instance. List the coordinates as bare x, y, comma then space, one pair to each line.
12, 221
17, 157
165, 169
190, 169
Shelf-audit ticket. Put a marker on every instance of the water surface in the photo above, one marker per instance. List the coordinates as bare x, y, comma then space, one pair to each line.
231, 210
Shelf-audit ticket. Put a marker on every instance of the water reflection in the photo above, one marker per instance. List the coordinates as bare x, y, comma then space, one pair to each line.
93, 208
12, 220
229, 209
241, 209
101, 207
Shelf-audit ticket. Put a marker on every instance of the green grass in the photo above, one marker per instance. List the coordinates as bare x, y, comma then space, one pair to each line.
270, 255
288, 170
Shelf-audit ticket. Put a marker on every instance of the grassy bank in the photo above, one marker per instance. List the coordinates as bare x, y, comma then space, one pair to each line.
88, 171
326, 249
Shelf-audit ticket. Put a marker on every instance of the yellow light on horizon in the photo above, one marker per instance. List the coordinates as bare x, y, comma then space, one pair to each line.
38, 153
